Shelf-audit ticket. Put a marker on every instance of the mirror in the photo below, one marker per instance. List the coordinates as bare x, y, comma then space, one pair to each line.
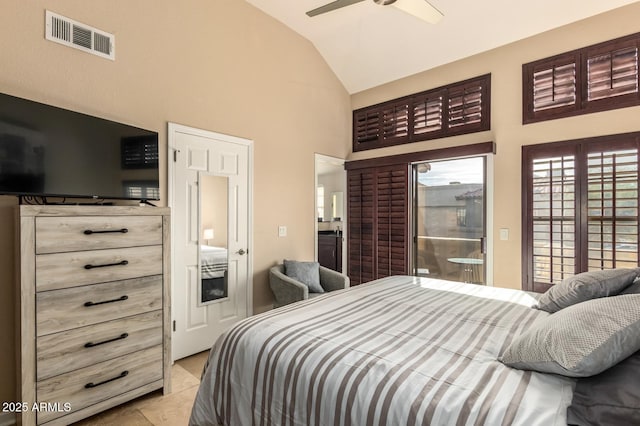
214, 194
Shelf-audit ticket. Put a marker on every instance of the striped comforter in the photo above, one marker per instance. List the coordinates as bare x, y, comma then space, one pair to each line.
213, 261
396, 351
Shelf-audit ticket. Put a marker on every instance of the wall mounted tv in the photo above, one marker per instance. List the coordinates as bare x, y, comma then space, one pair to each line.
47, 151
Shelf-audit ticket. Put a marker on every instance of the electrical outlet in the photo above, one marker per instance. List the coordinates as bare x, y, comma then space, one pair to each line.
282, 231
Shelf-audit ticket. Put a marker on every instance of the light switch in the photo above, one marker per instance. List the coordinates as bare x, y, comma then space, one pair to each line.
282, 231
504, 234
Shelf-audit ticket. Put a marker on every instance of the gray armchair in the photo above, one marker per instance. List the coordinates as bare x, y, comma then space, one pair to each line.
288, 290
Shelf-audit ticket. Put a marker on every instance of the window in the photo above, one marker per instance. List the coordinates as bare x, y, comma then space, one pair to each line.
580, 209
461, 216
596, 78
455, 109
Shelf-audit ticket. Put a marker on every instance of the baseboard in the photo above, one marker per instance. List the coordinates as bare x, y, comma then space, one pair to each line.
7, 419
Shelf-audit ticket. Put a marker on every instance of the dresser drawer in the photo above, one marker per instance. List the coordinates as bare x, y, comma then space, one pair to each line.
61, 310
75, 233
69, 350
61, 270
100, 382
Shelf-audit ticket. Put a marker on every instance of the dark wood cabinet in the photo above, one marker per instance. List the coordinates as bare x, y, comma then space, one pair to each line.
330, 250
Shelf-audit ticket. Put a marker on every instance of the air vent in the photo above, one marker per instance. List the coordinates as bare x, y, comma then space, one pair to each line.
80, 36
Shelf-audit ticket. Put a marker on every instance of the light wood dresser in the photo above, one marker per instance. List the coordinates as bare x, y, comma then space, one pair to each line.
93, 326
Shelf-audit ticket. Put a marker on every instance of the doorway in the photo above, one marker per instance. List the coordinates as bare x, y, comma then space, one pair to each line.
210, 177
450, 219
330, 196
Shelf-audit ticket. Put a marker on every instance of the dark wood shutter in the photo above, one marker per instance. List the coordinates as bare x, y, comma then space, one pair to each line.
360, 222
466, 107
382, 125
458, 108
366, 125
392, 219
612, 73
600, 77
580, 210
554, 87
553, 214
428, 113
395, 121
612, 205
551, 87
377, 222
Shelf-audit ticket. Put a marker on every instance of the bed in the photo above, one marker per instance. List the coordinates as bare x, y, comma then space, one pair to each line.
400, 350
213, 270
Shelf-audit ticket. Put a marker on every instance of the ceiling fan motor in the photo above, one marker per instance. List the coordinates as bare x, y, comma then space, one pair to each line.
384, 2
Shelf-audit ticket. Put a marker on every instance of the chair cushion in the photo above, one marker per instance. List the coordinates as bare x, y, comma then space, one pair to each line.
581, 340
586, 286
308, 273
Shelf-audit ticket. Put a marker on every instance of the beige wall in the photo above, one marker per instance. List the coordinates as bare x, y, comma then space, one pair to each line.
220, 65
505, 66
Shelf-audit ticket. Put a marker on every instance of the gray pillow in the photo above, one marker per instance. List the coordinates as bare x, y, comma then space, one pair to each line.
634, 288
586, 286
609, 398
308, 273
581, 340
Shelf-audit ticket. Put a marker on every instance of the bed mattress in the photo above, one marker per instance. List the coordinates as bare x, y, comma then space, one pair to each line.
400, 350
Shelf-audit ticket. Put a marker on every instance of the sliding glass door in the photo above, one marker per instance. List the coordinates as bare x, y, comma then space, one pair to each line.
449, 219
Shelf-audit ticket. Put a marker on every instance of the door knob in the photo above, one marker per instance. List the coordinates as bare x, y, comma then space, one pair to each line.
241, 252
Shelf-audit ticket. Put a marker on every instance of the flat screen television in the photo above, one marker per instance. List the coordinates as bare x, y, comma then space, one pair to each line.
46, 151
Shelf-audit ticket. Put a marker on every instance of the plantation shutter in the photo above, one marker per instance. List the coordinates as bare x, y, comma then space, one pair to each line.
377, 219
612, 177
455, 109
366, 125
581, 208
465, 105
553, 191
554, 87
597, 78
392, 219
360, 223
613, 73
395, 121
427, 113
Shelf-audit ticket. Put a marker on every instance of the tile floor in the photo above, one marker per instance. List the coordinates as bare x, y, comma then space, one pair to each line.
154, 408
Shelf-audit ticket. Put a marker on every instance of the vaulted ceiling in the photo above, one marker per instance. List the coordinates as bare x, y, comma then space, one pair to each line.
367, 45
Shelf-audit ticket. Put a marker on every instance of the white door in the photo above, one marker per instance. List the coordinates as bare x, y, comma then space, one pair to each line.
209, 193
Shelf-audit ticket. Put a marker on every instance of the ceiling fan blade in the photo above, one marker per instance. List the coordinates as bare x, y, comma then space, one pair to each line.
421, 9
332, 6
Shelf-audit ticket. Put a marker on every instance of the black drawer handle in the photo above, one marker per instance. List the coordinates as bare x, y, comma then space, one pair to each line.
94, 385
124, 262
120, 337
109, 231
119, 299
